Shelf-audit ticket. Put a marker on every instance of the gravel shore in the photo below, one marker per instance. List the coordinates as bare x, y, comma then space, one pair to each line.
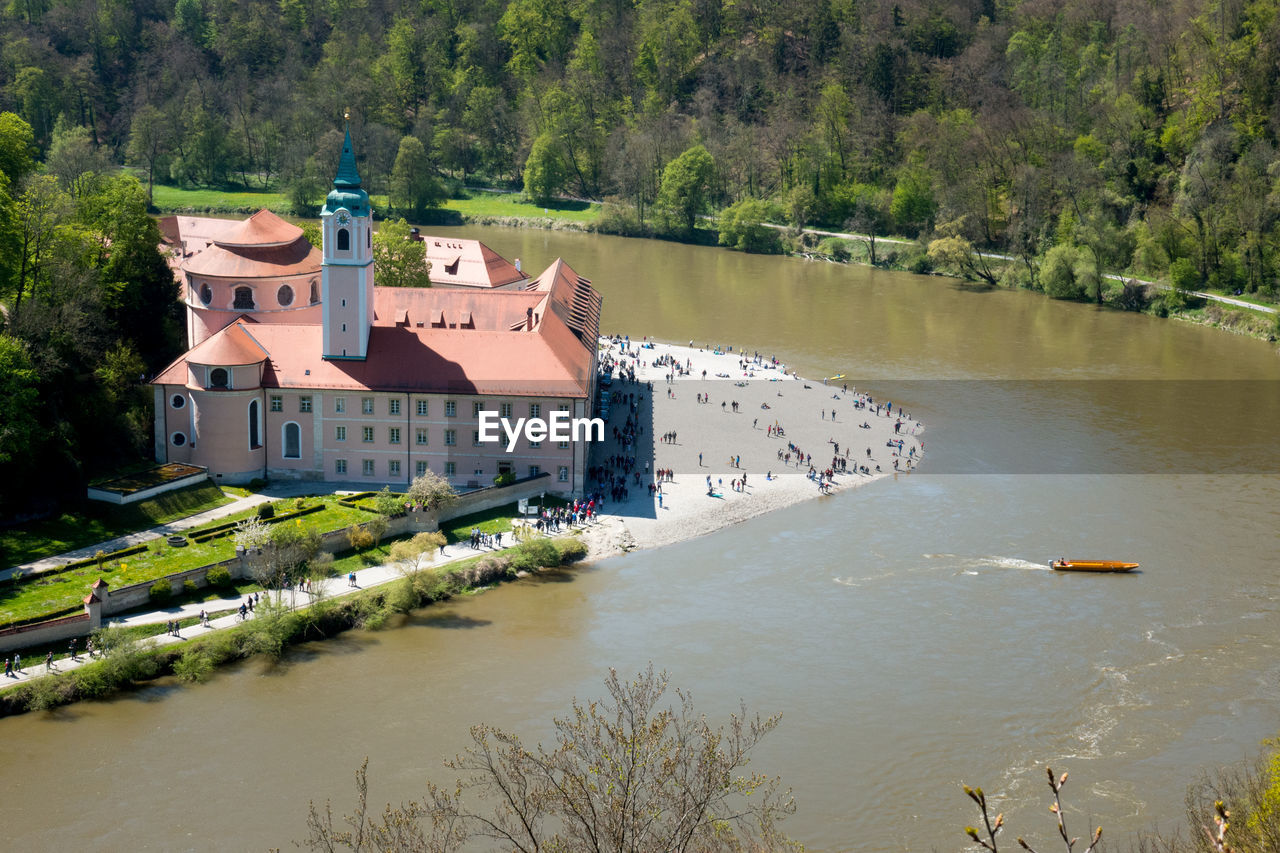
714, 439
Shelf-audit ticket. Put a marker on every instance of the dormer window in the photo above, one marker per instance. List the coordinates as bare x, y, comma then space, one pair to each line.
344, 240
219, 377
244, 299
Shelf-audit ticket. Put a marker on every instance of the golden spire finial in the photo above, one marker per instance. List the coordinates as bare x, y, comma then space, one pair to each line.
346, 115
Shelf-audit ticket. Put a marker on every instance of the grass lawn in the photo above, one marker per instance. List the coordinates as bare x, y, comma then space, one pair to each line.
496, 520
169, 199
38, 595
509, 204
98, 522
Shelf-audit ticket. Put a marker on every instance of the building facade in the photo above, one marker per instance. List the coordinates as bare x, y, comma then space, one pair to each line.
339, 380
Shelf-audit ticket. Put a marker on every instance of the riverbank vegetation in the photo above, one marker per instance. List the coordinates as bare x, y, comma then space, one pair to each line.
127, 661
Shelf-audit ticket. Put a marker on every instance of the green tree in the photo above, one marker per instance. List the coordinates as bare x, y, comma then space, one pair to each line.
414, 187
17, 148
150, 136
686, 183
742, 227
19, 402
544, 172
913, 203
398, 259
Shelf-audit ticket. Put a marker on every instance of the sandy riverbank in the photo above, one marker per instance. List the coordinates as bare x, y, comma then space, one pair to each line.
717, 441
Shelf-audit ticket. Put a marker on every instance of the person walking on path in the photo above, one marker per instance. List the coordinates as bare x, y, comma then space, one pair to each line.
48, 662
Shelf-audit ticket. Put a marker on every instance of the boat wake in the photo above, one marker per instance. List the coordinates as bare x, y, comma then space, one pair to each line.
974, 565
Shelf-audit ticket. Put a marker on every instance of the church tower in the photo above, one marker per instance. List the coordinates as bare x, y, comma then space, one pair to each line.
347, 271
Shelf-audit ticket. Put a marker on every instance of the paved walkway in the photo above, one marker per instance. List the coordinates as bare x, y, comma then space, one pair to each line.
330, 588
131, 539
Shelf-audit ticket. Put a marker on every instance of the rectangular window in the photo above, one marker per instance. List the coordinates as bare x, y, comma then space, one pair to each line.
393, 406
393, 435
277, 403
339, 466
450, 469
479, 472
535, 410
340, 433
450, 437
563, 474
504, 411
366, 405
475, 438
339, 404
393, 468
534, 445
534, 470
422, 408
564, 407
475, 410
450, 409
368, 467
421, 469
420, 437
367, 433
563, 445
304, 404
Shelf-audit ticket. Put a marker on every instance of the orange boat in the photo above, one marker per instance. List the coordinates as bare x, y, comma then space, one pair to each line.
1065, 565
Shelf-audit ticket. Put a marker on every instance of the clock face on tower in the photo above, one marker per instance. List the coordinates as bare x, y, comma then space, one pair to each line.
343, 217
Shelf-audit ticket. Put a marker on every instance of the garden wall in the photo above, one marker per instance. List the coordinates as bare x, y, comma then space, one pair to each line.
53, 631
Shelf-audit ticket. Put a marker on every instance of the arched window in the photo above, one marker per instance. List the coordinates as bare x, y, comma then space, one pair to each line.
292, 441
219, 377
344, 240
206, 293
244, 298
315, 291
255, 436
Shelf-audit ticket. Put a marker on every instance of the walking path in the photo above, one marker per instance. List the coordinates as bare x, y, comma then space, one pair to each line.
330, 588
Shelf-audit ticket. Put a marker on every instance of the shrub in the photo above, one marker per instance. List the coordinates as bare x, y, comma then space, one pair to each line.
161, 589
359, 537
920, 264
257, 484
188, 587
266, 511
506, 478
194, 666
218, 576
571, 549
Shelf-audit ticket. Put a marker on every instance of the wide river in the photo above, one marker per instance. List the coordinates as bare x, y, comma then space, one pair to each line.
909, 632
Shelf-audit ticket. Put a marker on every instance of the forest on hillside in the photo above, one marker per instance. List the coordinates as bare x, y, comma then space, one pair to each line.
1075, 137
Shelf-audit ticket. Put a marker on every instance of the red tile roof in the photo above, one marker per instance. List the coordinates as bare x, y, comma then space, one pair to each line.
233, 345
467, 263
261, 230
433, 340
297, 258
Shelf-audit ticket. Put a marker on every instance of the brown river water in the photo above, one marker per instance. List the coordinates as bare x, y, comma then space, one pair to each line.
909, 632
